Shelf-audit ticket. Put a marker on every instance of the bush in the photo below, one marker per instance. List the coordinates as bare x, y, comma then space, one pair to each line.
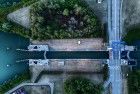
28, 2
4, 11
11, 27
80, 85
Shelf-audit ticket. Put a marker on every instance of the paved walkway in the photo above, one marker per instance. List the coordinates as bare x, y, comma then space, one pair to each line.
114, 17
72, 44
68, 65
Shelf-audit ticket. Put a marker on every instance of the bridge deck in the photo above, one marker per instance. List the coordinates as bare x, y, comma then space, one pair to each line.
114, 41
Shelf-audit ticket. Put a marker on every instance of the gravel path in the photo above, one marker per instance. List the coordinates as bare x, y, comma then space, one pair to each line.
21, 16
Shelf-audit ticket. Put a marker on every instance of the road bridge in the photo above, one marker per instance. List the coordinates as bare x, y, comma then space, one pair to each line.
114, 62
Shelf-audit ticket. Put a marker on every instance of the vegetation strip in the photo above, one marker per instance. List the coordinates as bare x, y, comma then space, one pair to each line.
80, 85
14, 82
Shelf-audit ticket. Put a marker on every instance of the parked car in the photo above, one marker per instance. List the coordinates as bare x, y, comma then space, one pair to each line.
99, 1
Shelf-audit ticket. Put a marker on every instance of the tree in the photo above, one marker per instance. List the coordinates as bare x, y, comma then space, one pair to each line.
80, 85
40, 19
24, 1
133, 81
66, 12
6, 26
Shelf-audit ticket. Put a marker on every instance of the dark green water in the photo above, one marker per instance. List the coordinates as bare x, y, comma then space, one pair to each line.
9, 57
77, 55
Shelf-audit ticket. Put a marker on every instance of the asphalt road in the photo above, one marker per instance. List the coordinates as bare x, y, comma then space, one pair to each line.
114, 41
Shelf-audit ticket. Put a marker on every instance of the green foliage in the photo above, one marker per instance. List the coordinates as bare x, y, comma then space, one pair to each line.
13, 82
59, 19
66, 12
134, 82
80, 85
10, 27
132, 35
28, 2
6, 26
25, 1
4, 11
105, 72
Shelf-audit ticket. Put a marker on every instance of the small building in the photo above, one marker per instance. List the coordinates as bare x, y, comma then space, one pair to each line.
129, 48
38, 48
39, 62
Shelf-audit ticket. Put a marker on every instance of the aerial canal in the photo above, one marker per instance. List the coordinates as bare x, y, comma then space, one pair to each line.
9, 54
9, 43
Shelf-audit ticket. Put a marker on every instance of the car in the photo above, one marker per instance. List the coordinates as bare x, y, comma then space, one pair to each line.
99, 1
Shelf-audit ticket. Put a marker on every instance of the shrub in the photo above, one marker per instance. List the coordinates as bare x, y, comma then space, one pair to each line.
80, 85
